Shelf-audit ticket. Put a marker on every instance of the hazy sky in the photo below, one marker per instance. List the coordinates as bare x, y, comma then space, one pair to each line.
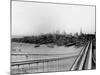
30, 18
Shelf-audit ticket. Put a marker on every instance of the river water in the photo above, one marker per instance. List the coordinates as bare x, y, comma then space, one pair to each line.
27, 52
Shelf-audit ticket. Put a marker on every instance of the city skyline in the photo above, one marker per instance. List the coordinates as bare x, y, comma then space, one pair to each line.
36, 18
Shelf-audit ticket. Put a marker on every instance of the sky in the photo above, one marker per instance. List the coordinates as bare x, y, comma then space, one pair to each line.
30, 18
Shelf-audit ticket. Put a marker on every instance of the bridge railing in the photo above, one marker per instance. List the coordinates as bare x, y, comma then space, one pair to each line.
43, 65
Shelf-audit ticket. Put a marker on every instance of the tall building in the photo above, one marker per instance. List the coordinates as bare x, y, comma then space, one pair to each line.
81, 31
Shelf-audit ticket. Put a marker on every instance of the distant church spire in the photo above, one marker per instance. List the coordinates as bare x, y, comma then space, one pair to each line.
80, 31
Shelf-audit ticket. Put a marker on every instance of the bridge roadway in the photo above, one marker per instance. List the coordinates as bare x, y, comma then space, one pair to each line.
85, 59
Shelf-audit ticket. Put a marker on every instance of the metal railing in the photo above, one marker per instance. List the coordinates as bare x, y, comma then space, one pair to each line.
43, 65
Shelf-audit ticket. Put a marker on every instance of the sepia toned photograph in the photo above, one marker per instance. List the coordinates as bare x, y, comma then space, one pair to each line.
52, 37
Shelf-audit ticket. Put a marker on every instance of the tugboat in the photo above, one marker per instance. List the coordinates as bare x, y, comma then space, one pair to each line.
70, 44
50, 45
37, 45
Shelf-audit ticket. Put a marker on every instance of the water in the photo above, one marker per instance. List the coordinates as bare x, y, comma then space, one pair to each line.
40, 53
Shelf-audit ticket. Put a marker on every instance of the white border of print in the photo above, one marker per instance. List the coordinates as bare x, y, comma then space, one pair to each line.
5, 37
